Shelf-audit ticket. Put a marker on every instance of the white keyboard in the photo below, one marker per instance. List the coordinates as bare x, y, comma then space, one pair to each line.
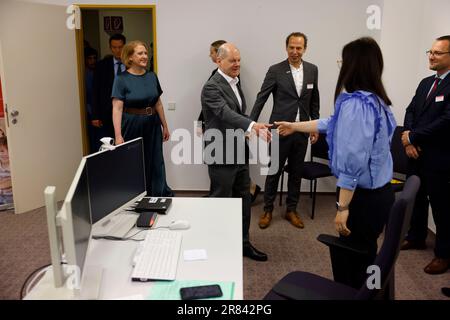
158, 257
118, 226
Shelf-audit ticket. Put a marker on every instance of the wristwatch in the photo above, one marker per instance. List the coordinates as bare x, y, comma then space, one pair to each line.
341, 208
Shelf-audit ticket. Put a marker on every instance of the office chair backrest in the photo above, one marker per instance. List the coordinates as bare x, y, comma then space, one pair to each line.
399, 156
399, 218
320, 148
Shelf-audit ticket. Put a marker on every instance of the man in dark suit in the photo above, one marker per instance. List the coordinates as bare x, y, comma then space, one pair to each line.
293, 84
104, 75
213, 55
223, 106
426, 142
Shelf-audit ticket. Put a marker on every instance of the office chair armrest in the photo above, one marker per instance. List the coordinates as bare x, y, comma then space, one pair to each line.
291, 291
336, 243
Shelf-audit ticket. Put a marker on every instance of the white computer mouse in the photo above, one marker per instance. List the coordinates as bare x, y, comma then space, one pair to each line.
179, 225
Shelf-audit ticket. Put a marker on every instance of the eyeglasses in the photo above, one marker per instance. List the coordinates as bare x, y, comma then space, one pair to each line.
436, 53
339, 63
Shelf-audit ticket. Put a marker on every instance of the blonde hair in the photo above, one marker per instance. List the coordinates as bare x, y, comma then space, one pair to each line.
128, 51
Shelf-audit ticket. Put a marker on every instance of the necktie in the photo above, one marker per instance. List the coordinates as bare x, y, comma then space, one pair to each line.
119, 67
435, 85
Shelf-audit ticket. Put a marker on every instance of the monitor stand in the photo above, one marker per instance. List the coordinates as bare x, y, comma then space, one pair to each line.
90, 287
45, 290
91, 283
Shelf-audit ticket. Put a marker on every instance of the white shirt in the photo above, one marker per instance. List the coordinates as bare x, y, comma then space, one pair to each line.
116, 66
233, 84
297, 74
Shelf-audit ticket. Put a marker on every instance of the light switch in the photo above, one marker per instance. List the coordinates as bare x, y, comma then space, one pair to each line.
171, 105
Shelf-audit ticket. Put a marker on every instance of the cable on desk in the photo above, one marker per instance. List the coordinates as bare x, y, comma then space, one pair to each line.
113, 238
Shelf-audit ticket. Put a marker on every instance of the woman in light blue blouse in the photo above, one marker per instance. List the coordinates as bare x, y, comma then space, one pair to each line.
358, 135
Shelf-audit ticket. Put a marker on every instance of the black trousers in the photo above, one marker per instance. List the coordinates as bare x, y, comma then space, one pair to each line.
368, 214
435, 191
233, 181
292, 148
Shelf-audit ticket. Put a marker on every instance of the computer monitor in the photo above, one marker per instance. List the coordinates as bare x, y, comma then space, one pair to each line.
76, 219
115, 177
70, 230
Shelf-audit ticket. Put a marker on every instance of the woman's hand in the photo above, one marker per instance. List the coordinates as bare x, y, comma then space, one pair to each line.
284, 128
166, 134
119, 140
341, 223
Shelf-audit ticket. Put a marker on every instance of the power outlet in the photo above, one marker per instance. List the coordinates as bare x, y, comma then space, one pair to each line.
172, 105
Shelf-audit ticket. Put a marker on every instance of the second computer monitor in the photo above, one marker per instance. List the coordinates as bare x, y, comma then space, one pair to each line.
115, 177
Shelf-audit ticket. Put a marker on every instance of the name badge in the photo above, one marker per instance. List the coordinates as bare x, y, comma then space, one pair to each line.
439, 98
310, 86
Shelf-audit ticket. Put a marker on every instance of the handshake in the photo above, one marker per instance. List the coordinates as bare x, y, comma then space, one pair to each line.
284, 128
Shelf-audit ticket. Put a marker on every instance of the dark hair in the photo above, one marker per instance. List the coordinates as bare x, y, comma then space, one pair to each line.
216, 44
297, 34
445, 38
88, 51
118, 36
362, 66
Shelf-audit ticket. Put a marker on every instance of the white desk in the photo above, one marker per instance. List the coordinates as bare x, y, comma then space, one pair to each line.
216, 226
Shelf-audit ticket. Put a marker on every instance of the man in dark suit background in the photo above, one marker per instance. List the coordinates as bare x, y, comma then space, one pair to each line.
223, 107
104, 75
294, 86
213, 55
426, 142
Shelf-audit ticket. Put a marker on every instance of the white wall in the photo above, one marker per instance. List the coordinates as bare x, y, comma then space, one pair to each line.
259, 28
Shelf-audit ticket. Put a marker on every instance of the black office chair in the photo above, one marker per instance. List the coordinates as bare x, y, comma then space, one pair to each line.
307, 286
312, 170
400, 160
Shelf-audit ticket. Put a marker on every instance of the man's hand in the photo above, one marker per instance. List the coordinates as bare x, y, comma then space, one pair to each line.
313, 137
405, 138
285, 128
97, 123
412, 151
262, 131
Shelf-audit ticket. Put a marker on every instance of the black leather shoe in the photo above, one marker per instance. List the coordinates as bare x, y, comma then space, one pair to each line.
446, 291
416, 245
254, 254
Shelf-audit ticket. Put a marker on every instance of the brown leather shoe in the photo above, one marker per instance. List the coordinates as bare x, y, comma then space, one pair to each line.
293, 218
407, 245
437, 266
265, 219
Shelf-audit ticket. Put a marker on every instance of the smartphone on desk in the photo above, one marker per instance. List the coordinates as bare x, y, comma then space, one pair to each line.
201, 292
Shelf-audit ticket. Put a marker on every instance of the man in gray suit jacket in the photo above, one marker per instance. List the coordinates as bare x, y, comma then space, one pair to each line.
223, 107
293, 84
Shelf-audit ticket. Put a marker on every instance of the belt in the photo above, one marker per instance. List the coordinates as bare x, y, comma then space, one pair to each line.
140, 111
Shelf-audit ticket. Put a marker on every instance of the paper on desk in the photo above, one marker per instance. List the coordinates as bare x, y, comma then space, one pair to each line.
171, 290
194, 255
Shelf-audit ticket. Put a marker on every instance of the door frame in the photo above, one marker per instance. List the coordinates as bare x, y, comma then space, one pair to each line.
79, 42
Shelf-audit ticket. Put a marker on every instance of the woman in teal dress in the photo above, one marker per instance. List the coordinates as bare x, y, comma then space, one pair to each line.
138, 112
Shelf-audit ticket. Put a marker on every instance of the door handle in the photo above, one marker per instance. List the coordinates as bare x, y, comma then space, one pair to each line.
14, 114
